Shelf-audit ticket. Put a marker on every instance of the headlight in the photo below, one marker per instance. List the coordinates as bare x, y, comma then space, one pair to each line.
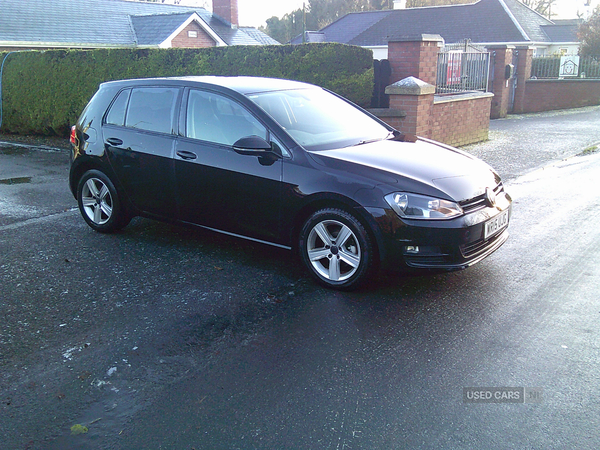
414, 206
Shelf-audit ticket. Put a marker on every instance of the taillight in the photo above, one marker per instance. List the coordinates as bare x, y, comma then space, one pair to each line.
74, 135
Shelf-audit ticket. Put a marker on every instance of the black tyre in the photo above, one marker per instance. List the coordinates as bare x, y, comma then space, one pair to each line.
99, 202
336, 249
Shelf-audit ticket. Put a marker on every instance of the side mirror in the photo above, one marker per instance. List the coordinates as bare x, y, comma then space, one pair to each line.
252, 146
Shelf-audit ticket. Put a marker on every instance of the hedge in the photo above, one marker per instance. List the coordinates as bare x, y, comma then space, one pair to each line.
43, 92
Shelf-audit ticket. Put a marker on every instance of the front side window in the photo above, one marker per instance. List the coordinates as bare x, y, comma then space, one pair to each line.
214, 118
152, 109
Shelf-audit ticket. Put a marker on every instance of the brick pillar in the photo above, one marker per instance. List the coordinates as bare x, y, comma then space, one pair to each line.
523, 74
415, 98
500, 86
414, 56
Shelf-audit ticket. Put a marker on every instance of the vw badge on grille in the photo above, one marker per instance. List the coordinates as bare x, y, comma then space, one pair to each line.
490, 197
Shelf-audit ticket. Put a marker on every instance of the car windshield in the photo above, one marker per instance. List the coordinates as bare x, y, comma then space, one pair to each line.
318, 120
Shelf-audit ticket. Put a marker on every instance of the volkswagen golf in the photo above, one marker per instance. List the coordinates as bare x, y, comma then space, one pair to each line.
287, 164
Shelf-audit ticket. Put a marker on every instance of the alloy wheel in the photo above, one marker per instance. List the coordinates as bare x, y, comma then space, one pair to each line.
333, 250
97, 201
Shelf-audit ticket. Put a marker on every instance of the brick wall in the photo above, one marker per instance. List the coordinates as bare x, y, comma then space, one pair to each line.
393, 117
499, 85
461, 119
418, 109
454, 119
202, 41
523, 74
548, 95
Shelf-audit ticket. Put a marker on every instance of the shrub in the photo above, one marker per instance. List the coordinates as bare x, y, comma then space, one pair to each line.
43, 92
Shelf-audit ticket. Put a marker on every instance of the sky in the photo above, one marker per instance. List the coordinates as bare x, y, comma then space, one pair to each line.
254, 13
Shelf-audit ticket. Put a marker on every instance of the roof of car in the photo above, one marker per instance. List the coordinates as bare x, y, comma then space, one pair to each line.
242, 84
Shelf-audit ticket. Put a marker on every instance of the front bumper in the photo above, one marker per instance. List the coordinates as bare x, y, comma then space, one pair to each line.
443, 244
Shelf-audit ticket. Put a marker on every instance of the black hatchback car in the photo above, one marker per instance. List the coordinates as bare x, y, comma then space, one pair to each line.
288, 164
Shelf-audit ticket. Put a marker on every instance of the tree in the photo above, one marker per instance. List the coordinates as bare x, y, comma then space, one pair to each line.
324, 12
589, 35
288, 27
544, 7
318, 14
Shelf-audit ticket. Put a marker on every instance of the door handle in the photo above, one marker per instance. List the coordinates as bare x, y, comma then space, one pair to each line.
186, 155
114, 141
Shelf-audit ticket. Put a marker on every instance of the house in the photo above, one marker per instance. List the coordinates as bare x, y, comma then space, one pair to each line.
40, 24
485, 23
563, 34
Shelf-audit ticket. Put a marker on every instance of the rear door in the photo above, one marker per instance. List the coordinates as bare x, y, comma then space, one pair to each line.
216, 186
140, 142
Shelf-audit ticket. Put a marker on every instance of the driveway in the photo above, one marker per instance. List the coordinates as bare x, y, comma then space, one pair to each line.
170, 337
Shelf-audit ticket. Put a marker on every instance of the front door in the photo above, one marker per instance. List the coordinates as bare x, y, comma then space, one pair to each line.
217, 187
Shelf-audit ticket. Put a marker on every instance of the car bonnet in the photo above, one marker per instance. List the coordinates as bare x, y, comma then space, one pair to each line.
457, 174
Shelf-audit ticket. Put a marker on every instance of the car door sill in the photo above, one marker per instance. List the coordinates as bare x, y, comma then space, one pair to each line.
260, 241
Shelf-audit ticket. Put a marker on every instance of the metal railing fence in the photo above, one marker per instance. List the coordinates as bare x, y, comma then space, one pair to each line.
564, 66
460, 71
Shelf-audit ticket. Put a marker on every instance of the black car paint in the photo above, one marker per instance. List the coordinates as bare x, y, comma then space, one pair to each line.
220, 180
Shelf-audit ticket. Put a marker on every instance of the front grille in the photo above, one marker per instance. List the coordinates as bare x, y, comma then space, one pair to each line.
475, 248
427, 261
474, 204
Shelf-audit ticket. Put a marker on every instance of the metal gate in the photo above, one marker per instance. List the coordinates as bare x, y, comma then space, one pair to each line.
462, 67
514, 80
382, 73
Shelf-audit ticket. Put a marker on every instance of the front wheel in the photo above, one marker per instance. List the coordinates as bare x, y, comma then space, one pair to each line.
337, 249
99, 202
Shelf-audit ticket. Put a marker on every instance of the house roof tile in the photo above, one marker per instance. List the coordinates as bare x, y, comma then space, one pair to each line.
97, 23
484, 21
563, 30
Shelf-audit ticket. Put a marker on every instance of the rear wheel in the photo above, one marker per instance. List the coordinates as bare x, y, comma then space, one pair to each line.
99, 202
337, 249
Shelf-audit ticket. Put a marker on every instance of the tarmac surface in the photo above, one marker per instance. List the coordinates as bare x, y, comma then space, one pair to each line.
163, 336
521, 143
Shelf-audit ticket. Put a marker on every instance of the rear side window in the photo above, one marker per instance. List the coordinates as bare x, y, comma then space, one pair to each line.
151, 109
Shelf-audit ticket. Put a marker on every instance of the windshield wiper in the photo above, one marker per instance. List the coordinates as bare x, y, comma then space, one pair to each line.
368, 141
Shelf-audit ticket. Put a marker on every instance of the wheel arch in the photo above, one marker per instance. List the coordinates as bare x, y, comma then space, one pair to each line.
78, 170
346, 204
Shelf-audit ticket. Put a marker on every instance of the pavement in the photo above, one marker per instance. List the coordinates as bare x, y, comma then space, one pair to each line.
521, 143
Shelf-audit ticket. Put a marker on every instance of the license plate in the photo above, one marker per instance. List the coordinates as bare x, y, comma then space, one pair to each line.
495, 225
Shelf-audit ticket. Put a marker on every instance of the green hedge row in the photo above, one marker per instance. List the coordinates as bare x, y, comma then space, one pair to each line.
44, 92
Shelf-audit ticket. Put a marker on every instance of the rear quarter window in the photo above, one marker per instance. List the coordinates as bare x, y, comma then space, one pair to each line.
116, 114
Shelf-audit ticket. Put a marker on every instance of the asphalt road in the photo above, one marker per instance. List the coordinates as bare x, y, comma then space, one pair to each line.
164, 337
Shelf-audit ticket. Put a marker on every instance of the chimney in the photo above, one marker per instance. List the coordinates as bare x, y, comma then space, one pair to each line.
227, 9
399, 4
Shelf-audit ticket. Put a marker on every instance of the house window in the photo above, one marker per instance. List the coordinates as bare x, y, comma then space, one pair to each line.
192, 34
563, 51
